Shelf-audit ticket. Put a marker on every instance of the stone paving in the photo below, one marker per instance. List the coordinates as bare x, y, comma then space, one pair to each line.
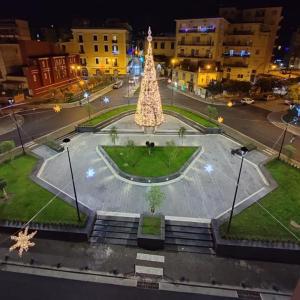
206, 191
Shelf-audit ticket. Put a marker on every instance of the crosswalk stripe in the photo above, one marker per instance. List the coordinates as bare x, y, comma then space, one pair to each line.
149, 270
150, 257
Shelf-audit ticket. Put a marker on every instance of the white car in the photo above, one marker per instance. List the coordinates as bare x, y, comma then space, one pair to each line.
247, 101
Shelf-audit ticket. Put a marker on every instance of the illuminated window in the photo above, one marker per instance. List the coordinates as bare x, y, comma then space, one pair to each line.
114, 39
115, 49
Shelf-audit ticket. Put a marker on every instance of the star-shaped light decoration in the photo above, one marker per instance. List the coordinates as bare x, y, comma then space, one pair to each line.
208, 168
220, 119
106, 100
57, 108
22, 241
90, 173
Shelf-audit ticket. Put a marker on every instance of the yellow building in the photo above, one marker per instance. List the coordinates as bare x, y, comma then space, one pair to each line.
238, 45
163, 46
101, 50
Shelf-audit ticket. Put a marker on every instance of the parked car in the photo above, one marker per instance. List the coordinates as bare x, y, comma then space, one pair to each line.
247, 101
118, 84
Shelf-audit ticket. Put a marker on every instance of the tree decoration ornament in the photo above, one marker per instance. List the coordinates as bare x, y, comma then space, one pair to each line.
22, 241
57, 108
149, 109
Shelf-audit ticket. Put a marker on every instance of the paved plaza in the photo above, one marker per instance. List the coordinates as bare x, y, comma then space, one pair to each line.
205, 191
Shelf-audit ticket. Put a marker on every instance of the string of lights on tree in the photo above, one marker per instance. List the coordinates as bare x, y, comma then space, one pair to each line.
149, 109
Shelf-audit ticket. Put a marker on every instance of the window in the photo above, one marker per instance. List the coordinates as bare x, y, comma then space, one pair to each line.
198, 39
155, 45
45, 76
114, 39
162, 45
63, 48
115, 49
240, 76
257, 51
80, 38
115, 62
105, 48
183, 76
107, 61
96, 48
81, 49
97, 61
34, 78
95, 37
105, 38
172, 45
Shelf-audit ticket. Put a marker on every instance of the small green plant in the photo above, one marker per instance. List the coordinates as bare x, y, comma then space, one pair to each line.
289, 151
89, 109
113, 134
181, 133
6, 146
155, 197
3, 185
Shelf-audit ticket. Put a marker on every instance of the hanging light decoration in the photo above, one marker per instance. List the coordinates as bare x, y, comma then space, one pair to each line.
57, 108
149, 109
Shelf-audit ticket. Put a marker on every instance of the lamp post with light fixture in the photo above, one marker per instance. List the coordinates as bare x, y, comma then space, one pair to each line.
242, 151
11, 102
66, 141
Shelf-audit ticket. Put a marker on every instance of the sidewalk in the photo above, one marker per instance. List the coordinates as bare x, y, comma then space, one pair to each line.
180, 267
276, 119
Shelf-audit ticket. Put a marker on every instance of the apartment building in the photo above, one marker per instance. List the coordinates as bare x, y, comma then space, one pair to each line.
237, 45
101, 50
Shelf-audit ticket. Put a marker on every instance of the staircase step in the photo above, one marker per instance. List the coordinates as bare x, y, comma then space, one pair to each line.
176, 228
186, 223
117, 235
121, 242
116, 223
189, 236
190, 249
115, 229
117, 218
185, 242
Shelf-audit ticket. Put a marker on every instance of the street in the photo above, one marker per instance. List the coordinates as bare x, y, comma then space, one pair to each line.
23, 286
247, 119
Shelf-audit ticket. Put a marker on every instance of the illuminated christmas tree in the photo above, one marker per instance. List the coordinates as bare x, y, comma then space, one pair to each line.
149, 110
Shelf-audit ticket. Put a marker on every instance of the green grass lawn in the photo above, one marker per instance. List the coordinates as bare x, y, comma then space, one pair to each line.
151, 225
190, 115
26, 198
109, 114
137, 161
283, 203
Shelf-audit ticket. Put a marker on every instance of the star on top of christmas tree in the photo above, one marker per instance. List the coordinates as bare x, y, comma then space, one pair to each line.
22, 241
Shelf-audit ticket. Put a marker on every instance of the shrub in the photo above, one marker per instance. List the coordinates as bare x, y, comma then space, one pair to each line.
6, 146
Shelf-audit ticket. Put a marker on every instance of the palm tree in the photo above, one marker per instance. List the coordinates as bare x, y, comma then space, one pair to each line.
113, 134
3, 185
181, 133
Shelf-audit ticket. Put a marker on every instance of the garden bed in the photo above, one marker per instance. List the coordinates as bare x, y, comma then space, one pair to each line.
26, 197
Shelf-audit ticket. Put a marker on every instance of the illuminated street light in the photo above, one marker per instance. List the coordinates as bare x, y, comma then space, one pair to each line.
78, 67
57, 108
220, 119
73, 67
81, 82
208, 67
106, 100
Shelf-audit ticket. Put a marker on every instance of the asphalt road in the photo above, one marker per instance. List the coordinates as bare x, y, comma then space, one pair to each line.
247, 119
15, 286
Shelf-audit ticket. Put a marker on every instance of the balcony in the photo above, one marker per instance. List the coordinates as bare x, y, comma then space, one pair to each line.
240, 32
237, 54
195, 43
236, 65
200, 29
194, 56
238, 44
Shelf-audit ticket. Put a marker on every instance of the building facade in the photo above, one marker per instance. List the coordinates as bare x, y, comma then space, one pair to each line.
101, 50
238, 45
294, 55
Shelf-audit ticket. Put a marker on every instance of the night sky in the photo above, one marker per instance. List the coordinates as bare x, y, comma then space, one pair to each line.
159, 14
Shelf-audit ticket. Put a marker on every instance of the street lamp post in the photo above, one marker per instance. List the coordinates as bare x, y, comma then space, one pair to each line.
283, 139
243, 151
11, 101
66, 141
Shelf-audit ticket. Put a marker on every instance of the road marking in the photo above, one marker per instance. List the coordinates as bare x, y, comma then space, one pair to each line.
150, 257
149, 270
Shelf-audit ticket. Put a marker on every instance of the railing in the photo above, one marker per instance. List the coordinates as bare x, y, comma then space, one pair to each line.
236, 65
226, 54
196, 30
237, 44
195, 43
240, 32
194, 55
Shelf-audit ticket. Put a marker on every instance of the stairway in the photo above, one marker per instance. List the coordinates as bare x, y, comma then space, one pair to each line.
180, 236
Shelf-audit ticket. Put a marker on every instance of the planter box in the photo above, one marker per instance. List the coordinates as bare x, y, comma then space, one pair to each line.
151, 241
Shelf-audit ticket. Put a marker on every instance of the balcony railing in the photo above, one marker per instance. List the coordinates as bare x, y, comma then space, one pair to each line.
194, 55
197, 30
240, 32
195, 43
236, 65
236, 54
238, 44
